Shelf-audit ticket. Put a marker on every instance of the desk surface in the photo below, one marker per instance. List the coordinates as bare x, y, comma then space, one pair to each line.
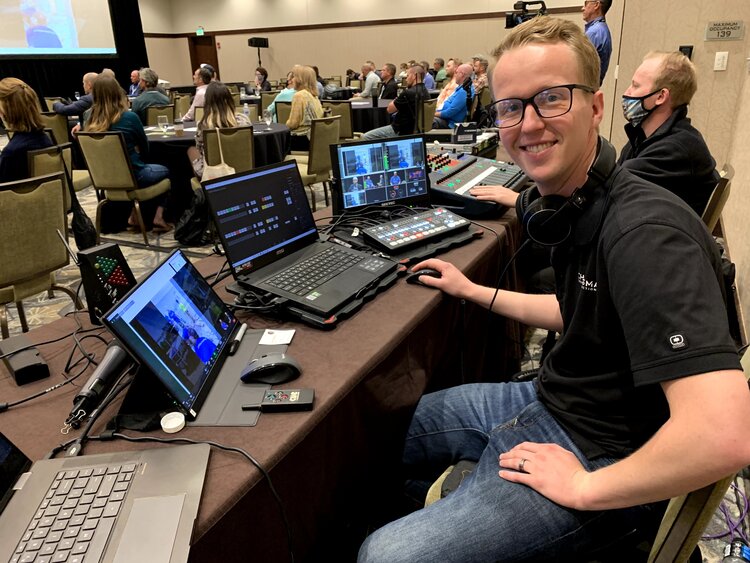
335, 468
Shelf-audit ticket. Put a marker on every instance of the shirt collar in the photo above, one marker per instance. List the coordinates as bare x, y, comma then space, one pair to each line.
592, 22
637, 136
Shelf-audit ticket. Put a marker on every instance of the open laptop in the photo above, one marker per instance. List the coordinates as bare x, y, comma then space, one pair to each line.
176, 325
271, 242
119, 507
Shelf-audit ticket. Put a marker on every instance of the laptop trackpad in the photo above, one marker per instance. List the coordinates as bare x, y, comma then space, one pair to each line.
151, 529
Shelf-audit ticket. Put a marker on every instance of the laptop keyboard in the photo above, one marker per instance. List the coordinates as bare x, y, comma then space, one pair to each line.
76, 517
306, 276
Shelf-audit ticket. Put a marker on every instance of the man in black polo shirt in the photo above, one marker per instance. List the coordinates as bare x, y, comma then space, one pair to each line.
404, 107
641, 399
663, 147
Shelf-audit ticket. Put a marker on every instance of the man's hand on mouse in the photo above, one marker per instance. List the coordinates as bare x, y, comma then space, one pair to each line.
451, 280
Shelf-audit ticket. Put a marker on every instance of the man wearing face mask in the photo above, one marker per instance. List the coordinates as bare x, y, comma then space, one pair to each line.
664, 148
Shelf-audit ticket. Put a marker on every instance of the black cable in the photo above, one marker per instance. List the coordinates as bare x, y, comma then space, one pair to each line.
249, 457
6, 406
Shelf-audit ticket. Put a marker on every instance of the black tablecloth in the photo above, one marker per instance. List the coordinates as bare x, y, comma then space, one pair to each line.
365, 117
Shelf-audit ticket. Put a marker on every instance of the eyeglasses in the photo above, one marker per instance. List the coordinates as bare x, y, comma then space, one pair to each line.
550, 102
590, 2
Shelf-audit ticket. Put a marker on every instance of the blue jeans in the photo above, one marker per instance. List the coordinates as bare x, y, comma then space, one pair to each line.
488, 518
384, 132
150, 174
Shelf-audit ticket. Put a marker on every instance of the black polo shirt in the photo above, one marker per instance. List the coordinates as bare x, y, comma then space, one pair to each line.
406, 106
639, 288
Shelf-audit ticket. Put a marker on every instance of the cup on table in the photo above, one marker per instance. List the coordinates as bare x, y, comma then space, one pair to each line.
163, 122
242, 92
179, 129
77, 95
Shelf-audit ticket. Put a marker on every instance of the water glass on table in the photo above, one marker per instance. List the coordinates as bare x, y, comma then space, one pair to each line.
268, 118
163, 123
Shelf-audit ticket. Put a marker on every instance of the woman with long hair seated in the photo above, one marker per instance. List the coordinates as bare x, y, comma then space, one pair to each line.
218, 113
20, 110
110, 113
305, 107
261, 80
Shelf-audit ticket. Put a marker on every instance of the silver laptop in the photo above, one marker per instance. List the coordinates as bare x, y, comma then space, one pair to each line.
120, 507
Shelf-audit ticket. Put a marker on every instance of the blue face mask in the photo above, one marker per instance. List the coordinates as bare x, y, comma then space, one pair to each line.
633, 110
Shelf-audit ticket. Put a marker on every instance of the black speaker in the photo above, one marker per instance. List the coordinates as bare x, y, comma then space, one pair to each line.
106, 278
258, 42
548, 220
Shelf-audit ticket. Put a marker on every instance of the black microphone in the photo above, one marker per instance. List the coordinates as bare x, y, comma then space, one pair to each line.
115, 360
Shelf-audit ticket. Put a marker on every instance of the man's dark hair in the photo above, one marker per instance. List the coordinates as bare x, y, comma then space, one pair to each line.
606, 5
391, 68
205, 74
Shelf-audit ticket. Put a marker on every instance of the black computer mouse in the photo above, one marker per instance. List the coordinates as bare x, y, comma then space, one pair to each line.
414, 276
273, 369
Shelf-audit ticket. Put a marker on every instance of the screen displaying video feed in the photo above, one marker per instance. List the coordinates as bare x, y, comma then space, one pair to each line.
55, 27
382, 172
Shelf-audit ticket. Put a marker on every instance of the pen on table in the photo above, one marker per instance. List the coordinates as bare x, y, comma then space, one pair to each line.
237, 339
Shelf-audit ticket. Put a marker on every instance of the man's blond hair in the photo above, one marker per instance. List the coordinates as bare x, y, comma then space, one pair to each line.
547, 30
677, 74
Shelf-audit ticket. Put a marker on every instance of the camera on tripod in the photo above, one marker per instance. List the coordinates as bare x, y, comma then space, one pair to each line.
522, 12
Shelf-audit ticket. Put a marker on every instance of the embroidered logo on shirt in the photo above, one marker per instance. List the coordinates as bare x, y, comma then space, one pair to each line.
677, 341
586, 285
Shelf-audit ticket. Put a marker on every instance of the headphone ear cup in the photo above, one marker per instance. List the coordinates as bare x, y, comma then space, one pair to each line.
546, 220
524, 199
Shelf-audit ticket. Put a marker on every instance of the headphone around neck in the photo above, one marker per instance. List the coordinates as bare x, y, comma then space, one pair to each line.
548, 220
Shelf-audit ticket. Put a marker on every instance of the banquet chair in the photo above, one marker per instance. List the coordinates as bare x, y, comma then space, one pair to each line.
198, 115
59, 158
49, 102
154, 112
30, 249
718, 198
283, 111
266, 98
59, 126
237, 145
317, 168
425, 116
181, 106
112, 173
344, 109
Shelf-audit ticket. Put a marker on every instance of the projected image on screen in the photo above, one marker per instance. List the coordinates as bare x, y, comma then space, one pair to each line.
55, 27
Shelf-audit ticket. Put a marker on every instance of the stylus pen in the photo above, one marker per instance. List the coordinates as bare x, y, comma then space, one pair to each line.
237, 339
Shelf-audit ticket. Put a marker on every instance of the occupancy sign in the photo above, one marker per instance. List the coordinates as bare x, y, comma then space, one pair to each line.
725, 30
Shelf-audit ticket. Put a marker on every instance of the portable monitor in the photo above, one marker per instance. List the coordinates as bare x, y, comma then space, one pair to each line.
382, 172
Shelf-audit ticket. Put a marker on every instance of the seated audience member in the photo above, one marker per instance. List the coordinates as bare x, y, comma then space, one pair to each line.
372, 81
150, 95
663, 147
261, 80
636, 403
439, 67
405, 107
450, 85
83, 103
319, 82
455, 107
389, 86
110, 113
480, 72
201, 79
210, 69
429, 80
285, 95
219, 112
21, 113
135, 88
403, 70
305, 107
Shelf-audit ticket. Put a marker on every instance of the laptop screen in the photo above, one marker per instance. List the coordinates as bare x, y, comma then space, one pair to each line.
261, 215
13, 463
174, 323
383, 172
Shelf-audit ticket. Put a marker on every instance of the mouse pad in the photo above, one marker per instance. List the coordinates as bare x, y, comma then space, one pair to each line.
223, 405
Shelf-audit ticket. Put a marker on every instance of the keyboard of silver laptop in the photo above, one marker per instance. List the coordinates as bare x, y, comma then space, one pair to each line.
76, 517
306, 276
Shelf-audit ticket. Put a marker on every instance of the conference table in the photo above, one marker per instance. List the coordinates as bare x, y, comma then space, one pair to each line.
269, 146
365, 117
336, 468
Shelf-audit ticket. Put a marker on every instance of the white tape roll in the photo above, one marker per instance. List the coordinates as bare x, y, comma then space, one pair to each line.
173, 422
